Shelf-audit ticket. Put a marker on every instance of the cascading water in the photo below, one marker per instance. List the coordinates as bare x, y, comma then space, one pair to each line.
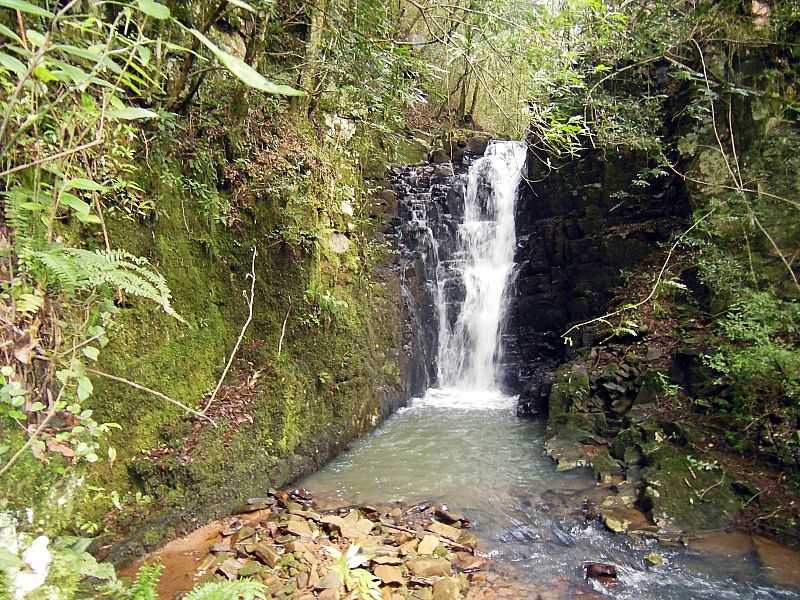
462, 443
468, 349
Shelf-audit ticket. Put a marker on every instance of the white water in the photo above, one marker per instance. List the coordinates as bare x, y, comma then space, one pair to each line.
468, 351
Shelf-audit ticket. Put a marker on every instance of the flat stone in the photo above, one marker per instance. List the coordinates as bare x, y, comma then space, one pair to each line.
230, 568
428, 544
446, 588
781, 564
445, 531
388, 574
429, 567
300, 528
267, 554
387, 560
250, 568
735, 544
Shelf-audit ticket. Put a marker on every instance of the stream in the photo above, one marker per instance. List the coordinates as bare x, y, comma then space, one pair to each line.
462, 444
469, 450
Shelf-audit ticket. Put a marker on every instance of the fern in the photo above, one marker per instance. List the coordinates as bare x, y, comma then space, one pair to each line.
78, 269
241, 589
146, 584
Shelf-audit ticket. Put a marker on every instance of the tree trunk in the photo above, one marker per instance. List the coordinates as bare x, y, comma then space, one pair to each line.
309, 73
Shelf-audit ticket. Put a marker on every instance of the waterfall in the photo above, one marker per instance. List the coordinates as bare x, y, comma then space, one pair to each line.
468, 349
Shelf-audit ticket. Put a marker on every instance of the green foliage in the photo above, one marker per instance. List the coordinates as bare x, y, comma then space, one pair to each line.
146, 583
360, 582
758, 356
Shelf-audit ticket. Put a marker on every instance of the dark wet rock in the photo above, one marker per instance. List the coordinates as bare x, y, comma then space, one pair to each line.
604, 573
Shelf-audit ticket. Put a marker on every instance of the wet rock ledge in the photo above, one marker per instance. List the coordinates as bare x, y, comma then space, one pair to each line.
303, 551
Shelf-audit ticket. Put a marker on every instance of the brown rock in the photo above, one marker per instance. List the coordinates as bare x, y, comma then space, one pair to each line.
299, 527
781, 564
230, 568
466, 562
604, 573
446, 531
388, 574
428, 544
468, 539
329, 594
268, 555
446, 588
429, 567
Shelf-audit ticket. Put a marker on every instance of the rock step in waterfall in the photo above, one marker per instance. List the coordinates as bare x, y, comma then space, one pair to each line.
457, 236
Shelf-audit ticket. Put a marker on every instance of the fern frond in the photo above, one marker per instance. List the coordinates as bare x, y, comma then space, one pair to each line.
241, 589
75, 268
146, 584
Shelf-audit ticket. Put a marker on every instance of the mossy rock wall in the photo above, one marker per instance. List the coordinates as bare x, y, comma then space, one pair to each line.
278, 416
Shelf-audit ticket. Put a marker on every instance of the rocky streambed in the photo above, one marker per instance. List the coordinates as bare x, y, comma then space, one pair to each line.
302, 550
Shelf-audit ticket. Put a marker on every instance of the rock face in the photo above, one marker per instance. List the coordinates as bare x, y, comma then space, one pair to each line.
579, 226
430, 201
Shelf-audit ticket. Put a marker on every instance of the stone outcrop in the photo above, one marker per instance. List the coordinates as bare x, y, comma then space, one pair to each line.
580, 225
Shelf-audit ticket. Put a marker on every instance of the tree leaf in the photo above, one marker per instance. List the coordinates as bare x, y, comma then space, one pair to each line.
131, 113
26, 7
91, 352
9, 33
154, 9
242, 4
13, 64
76, 204
245, 72
85, 388
80, 183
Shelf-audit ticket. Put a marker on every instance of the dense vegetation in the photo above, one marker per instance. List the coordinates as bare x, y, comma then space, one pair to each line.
144, 144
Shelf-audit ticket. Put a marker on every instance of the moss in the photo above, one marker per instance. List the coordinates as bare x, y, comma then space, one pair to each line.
301, 406
680, 497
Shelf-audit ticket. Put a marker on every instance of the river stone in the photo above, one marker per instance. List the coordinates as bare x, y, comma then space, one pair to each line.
428, 544
267, 555
429, 567
734, 545
446, 531
446, 588
470, 540
388, 574
781, 564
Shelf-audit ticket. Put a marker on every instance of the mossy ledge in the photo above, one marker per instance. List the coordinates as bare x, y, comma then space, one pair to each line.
279, 415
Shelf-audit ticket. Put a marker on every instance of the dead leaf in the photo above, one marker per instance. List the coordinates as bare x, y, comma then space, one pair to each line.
56, 446
24, 346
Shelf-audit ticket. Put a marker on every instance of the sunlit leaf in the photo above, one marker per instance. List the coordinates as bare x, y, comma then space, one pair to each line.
26, 7
245, 72
9, 33
154, 9
131, 113
88, 185
242, 4
12, 64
